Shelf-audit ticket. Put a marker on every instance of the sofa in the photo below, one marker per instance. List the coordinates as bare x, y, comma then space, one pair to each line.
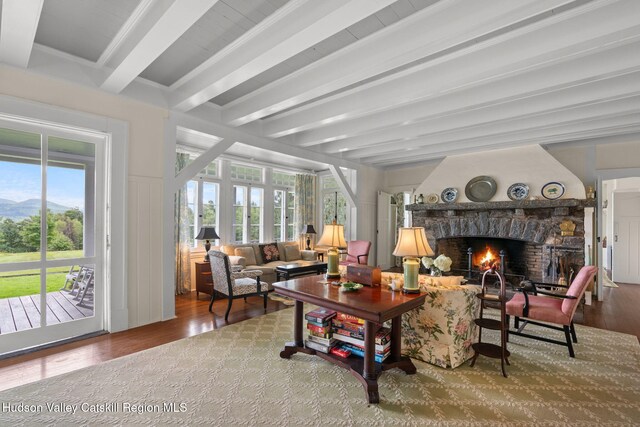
251, 256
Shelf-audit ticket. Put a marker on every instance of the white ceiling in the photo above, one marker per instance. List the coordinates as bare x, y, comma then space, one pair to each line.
379, 82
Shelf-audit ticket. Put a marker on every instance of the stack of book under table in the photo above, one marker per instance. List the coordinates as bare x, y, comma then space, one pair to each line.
349, 331
320, 335
343, 335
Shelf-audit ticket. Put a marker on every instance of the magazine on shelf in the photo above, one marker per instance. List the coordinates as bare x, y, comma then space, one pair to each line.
379, 358
321, 340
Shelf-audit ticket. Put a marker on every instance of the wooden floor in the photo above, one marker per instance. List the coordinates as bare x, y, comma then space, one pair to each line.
20, 313
618, 313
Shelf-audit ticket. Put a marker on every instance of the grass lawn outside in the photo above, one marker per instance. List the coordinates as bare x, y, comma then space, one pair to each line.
27, 282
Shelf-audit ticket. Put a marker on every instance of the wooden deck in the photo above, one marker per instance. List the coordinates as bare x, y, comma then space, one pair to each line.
20, 313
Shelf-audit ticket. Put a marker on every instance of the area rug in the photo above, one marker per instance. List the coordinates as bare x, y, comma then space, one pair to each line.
234, 376
283, 299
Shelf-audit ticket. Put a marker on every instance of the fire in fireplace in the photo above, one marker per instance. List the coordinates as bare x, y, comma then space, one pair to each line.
487, 260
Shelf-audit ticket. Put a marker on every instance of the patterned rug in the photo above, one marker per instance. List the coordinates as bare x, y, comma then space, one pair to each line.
283, 299
234, 376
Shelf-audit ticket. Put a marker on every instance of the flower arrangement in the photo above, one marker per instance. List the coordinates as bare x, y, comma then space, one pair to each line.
437, 266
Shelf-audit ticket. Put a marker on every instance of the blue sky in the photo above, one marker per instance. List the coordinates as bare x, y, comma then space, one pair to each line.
21, 181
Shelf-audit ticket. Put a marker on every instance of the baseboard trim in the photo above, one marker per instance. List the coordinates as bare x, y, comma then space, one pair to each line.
51, 344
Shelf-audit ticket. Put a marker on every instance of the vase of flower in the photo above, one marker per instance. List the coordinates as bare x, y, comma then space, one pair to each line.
437, 266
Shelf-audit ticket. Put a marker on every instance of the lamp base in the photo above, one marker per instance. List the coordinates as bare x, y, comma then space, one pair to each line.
207, 246
410, 291
333, 276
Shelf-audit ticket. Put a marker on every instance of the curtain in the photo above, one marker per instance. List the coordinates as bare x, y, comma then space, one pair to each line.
305, 204
181, 232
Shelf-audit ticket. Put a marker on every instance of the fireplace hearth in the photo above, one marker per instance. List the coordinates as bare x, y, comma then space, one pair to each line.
527, 234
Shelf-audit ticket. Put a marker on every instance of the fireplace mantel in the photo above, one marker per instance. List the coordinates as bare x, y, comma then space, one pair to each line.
488, 206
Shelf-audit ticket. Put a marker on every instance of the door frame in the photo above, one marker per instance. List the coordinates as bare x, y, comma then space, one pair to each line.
605, 175
115, 192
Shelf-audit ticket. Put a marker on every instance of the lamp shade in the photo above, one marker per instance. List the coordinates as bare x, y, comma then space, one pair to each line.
332, 235
308, 229
207, 233
412, 242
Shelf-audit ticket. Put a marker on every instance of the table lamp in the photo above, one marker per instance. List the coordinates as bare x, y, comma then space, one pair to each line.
308, 229
412, 245
332, 236
206, 234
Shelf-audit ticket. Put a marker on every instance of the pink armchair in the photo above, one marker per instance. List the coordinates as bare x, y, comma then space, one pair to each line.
536, 305
357, 252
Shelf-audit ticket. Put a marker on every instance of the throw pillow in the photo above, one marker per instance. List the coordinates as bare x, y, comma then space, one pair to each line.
248, 253
270, 252
292, 252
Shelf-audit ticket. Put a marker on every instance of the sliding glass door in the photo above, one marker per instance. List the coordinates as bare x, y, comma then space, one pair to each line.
52, 239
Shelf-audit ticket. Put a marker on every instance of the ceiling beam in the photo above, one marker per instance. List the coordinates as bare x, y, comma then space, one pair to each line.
439, 27
173, 23
483, 101
202, 123
344, 185
571, 99
201, 162
594, 111
295, 27
18, 30
581, 129
576, 32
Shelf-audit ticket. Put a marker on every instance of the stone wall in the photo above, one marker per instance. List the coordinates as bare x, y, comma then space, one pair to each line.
536, 222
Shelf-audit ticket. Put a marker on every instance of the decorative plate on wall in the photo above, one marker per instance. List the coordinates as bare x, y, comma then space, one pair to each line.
449, 195
432, 198
518, 191
481, 189
552, 190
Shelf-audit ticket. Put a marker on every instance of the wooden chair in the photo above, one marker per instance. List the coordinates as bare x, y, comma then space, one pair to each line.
234, 284
357, 252
539, 305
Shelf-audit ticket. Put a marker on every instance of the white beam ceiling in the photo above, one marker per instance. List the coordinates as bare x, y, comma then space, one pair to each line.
18, 30
297, 26
451, 23
382, 83
177, 17
556, 39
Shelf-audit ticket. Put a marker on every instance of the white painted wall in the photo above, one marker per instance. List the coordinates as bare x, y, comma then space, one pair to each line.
531, 165
145, 171
407, 179
369, 181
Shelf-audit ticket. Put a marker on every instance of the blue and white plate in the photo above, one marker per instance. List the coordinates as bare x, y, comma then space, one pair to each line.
518, 191
449, 195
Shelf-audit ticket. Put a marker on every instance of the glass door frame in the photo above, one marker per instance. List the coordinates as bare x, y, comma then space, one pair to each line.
47, 333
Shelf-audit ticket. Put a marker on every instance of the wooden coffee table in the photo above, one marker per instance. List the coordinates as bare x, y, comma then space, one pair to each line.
374, 305
300, 268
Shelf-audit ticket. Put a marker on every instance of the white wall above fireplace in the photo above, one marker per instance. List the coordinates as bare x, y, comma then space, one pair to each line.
531, 165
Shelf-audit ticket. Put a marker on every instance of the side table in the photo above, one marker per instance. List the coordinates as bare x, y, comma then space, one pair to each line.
204, 281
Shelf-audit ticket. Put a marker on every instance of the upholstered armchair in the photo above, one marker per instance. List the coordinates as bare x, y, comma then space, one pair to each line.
357, 252
234, 284
539, 305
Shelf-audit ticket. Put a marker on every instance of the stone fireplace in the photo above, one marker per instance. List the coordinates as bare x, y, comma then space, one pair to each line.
525, 238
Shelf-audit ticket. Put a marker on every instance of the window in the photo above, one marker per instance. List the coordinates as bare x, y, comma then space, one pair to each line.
192, 198
284, 226
210, 192
283, 179
246, 173
212, 170
334, 203
290, 216
239, 225
255, 217
248, 208
278, 215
